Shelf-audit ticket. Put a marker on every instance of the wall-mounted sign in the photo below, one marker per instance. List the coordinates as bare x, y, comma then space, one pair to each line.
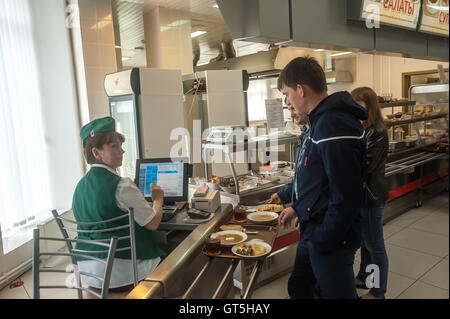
402, 13
435, 17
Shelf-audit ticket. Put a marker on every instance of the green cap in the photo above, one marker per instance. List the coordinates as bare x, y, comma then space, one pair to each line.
105, 124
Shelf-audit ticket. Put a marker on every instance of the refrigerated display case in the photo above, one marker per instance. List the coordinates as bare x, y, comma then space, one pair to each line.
123, 110
147, 105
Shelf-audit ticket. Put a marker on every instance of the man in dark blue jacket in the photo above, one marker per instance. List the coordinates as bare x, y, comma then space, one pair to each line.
286, 194
329, 190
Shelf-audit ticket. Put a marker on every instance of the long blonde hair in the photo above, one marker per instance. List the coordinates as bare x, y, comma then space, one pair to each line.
368, 96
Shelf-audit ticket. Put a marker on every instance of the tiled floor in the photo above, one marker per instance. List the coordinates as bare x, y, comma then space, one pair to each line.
417, 244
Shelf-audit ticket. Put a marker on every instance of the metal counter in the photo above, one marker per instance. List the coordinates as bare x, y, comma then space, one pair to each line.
187, 273
178, 270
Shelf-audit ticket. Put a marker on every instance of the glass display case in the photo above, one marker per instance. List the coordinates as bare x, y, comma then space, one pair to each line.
123, 110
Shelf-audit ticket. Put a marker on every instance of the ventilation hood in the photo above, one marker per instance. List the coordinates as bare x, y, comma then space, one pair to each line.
338, 76
338, 70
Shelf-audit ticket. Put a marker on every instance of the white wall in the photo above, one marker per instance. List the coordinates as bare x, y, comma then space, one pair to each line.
384, 73
99, 53
60, 114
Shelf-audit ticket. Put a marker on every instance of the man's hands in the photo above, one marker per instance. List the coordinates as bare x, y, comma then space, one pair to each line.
274, 199
286, 217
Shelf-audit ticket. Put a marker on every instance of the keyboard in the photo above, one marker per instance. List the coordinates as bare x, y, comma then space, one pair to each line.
168, 213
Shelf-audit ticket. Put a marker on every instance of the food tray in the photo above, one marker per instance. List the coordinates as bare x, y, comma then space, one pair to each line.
265, 233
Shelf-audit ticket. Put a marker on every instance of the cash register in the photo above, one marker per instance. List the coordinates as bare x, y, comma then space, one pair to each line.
171, 174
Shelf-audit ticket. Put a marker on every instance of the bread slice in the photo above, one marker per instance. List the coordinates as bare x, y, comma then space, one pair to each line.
231, 227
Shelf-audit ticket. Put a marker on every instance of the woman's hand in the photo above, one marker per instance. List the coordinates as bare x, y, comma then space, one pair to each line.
274, 199
286, 217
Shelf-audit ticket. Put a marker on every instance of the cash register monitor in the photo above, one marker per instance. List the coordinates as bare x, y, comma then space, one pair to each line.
171, 174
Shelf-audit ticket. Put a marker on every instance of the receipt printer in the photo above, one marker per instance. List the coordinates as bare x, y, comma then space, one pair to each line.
209, 202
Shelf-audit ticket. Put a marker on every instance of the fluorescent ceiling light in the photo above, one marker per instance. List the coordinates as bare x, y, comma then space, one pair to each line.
340, 53
319, 50
437, 7
197, 33
215, 6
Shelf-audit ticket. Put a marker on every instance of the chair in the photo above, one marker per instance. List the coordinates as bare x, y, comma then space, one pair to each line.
111, 249
77, 252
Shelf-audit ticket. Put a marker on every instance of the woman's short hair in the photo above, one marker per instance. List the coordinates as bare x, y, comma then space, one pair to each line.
98, 140
369, 97
303, 70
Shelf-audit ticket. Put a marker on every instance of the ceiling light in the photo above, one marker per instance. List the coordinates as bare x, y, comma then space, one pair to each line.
197, 33
340, 53
319, 50
215, 6
125, 58
437, 7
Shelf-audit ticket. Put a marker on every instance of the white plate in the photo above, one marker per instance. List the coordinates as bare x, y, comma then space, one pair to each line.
258, 241
225, 232
253, 217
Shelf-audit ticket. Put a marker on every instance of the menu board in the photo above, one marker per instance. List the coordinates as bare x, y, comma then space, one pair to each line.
435, 17
402, 13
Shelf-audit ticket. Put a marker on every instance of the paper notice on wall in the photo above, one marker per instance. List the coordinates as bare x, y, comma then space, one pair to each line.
274, 114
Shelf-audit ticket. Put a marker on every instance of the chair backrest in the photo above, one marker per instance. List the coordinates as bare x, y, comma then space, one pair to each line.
129, 217
62, 224
111, 251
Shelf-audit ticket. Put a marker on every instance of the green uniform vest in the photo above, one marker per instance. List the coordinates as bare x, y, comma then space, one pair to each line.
94, 200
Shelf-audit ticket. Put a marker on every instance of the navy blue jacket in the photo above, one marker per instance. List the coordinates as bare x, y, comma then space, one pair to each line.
330, 178
285, 194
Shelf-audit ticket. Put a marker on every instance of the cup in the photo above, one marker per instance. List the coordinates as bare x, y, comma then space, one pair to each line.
240, 214
212, 246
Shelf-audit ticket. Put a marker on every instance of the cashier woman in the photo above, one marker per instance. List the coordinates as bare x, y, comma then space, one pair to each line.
287, 194
102, 194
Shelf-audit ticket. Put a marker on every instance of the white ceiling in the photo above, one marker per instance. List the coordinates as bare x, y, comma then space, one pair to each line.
203, 15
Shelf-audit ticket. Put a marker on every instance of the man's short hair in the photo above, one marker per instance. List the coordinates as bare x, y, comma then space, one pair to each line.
303, 70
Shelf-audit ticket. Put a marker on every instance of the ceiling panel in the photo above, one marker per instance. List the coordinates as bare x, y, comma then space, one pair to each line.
203, 14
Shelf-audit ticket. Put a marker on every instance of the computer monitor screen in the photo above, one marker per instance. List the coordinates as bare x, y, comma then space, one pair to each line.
170, 174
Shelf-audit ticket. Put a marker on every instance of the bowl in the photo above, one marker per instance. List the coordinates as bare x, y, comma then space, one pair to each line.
262, 217
222, 235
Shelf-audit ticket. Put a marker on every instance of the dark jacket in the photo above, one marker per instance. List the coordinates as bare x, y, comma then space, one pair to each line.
331, 175
286, 192
376, 190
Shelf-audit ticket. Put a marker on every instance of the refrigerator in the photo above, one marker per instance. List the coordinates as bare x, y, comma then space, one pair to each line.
147, 105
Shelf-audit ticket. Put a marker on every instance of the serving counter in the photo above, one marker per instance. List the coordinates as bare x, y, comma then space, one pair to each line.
188, 273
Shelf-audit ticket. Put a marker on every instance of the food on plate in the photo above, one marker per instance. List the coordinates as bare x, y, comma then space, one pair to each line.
214, 180
262, 217
390, 116
231, 227
251, 249
271, 208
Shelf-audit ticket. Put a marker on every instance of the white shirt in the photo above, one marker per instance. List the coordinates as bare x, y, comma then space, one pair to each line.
127, 195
